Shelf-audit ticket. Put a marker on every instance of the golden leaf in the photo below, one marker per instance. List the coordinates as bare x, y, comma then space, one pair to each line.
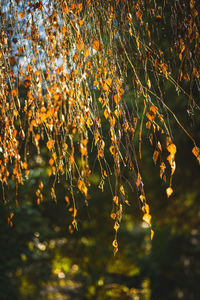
147, 218
80, 45
108, 81
113, 216
116, 200
21, 14
51, 161
71, 159
126, 201
196, 151
106, 113
95, 45
147, 208
137, 42
152, 234
122, 190
149, 83
172, 149
67, 200
25, 165
169, 191
115, 250
148, 125
138, 181
162, 169
107, 84
13, 93
116, 226
50, 144
80, 185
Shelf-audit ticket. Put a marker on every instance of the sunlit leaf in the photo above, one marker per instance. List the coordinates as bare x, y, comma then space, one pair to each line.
147, 219
169, 191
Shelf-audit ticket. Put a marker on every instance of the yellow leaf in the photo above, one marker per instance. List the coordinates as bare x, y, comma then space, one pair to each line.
89, 122
147, 219
142, 198
115, 244
107, 84
108, 81
126, 201
122, 190
116, 226
106, 113
112, 150
149, 83
116, 200
169, 191
147, 208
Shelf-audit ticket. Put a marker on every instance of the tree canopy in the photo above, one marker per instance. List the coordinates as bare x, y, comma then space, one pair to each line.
84, 84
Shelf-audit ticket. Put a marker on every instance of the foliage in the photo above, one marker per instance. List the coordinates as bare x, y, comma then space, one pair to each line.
66, 70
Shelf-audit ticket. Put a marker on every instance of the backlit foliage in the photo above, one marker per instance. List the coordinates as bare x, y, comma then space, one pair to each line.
76, 61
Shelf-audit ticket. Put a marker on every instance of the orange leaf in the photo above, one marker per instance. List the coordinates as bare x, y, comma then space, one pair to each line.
13, 93
148, 125
196, 151
21, 14
152, 234
155, 156
80, 185
71, 159
51, 161
80, 45
50, 144
154, 109
172, 149
138, 181
67, 200
95, 45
